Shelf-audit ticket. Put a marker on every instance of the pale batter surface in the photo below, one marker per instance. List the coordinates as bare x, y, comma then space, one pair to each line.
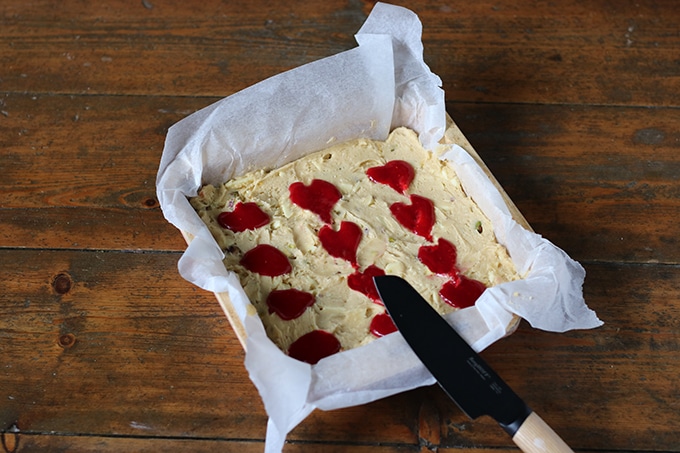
385, 242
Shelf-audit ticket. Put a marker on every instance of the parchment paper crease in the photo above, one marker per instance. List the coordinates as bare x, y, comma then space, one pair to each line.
363, 92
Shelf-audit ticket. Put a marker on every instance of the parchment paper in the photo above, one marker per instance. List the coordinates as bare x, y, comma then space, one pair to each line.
363, 92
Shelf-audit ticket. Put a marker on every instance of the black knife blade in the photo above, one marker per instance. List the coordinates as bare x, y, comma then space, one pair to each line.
465, 377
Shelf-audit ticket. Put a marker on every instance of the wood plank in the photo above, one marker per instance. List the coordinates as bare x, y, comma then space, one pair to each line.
108, 342
600, 182
81, 151
114, 344
588, 178
565, 52
98, 444
102, 444
614, 387
488, 51
88, 228
215, 48
111, 343
76, 165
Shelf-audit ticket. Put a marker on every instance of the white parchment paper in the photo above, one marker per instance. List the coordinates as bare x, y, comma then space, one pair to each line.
363, 92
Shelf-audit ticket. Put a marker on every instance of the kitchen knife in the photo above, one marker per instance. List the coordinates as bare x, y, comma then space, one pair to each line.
463, 375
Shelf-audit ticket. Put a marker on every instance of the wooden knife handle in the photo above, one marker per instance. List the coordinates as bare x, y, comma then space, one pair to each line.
535, 436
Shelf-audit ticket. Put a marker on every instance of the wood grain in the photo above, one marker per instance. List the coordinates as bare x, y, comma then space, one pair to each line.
117, 341
572, 105
600, 182
109, 342
597, 52
595, 180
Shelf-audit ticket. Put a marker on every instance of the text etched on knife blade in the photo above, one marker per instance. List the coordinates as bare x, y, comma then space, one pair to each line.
484, 374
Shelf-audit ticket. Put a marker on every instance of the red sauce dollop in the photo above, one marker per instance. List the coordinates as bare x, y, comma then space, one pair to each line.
363, 282
440, 258
342, 243
397, 174
314, 346
289, 303
267, 260
319, 197
382, 325
417, 217
245, 216
462, 292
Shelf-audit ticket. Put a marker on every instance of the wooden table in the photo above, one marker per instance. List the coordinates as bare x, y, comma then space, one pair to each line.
574, 105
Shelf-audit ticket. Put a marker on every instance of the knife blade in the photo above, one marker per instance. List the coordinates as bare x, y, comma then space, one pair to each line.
465, 377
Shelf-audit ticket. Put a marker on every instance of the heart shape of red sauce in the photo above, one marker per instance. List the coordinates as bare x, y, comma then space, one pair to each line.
417, 217
363, 282
461, 292
440, 258
289, 303
267, 260
382, 325
314, 346
319, 197
245, 216
342, 243
397, 174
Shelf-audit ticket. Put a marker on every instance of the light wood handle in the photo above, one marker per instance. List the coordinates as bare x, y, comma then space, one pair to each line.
535, 436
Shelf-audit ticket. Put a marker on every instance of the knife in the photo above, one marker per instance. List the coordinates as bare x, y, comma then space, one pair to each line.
463, 375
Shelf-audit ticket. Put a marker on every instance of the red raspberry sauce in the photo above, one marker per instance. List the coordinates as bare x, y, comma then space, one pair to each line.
397, 174
289, 303
267, 260
319, 197
342, 243
363, 282
245, 216
440, 258
462, 292
314, 346
417, 217
382, 325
